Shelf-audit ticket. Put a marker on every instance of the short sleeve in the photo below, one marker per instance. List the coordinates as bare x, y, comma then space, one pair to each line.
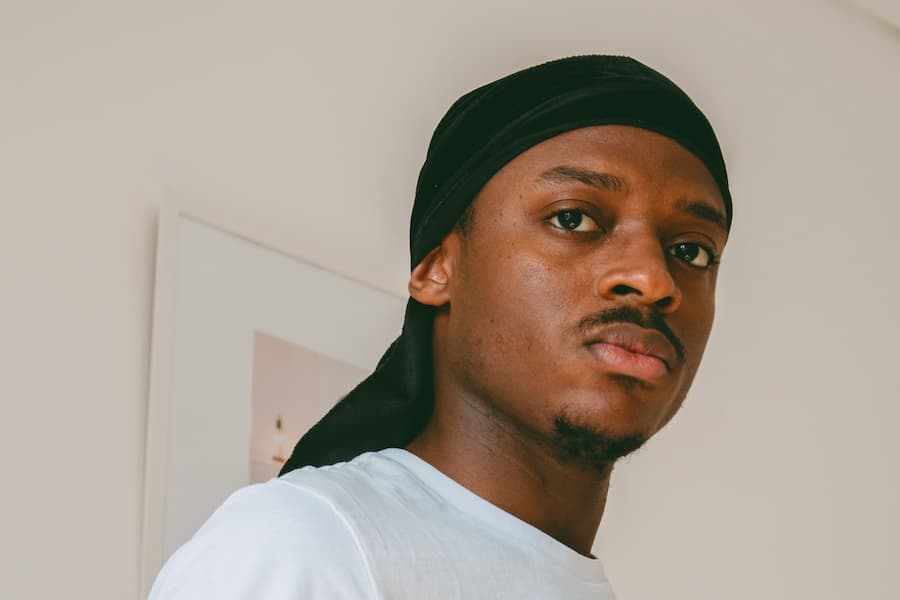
270, 541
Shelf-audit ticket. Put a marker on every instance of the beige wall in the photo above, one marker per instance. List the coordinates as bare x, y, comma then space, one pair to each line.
314, 117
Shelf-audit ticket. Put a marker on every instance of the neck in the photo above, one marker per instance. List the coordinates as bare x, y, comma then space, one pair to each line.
514, 471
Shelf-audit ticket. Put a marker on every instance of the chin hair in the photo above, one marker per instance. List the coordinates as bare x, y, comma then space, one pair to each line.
590, 446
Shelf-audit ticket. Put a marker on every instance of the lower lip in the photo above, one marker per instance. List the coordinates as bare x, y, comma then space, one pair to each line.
620, 360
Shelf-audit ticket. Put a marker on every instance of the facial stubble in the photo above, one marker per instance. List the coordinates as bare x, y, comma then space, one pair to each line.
589, 446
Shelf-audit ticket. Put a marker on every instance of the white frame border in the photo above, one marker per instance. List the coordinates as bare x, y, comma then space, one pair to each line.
162, 353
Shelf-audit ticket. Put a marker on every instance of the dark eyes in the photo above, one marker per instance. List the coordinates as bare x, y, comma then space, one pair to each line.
574, 220
694, 254
577, 221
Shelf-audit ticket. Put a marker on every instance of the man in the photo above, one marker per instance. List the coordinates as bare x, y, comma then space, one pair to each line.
566, 234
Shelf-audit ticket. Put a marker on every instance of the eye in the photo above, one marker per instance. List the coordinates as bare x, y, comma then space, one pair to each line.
695, 254
574, 220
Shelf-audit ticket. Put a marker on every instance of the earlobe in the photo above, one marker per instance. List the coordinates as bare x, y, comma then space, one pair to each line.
428, 282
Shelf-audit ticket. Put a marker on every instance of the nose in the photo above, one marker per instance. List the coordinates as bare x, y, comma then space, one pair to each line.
636, 270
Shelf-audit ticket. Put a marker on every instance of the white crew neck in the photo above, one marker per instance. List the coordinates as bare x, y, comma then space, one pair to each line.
493, 516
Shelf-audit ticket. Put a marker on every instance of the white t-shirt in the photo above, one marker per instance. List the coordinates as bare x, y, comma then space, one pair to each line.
386, 525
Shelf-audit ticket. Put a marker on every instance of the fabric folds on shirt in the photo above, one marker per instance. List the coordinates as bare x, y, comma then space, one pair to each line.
386, 525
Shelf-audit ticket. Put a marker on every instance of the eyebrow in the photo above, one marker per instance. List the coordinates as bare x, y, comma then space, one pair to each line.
704, 211
564, 174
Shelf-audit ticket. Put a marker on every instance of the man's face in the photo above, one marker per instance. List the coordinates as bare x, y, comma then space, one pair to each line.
583, 296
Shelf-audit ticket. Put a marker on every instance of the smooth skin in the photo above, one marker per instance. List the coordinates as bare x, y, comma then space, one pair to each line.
599, 223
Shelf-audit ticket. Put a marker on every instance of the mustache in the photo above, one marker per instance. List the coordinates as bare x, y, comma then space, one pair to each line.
630, 314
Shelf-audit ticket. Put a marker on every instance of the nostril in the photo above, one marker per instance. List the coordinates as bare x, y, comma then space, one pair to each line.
623, 290
664, 302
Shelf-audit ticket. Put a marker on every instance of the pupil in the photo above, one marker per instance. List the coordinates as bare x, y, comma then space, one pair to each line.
570, 219
689, 251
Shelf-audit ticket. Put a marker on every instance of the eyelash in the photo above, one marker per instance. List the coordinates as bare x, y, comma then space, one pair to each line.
713, 259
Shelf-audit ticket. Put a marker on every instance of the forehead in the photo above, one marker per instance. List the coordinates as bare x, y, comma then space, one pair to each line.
634, 157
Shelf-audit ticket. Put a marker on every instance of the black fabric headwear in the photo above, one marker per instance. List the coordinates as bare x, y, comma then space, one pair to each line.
483, 131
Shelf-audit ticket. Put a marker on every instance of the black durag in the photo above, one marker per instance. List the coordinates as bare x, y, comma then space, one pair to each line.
483, 131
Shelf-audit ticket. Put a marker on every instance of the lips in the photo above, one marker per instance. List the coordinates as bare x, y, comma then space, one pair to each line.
633, 350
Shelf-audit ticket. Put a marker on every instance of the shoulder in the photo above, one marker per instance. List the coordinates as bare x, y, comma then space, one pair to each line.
280, 539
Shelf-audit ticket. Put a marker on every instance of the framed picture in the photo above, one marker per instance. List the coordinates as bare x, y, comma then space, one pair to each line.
250, 347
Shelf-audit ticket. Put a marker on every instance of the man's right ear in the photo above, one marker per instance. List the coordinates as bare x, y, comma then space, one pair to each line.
429, 282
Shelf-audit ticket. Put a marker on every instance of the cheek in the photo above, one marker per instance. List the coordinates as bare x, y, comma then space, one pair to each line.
698, 307
515, 308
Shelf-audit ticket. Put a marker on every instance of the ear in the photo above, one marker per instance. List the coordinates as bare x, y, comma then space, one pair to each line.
429, 282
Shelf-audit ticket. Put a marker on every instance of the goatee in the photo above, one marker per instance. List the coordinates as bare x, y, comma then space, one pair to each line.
590, 446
